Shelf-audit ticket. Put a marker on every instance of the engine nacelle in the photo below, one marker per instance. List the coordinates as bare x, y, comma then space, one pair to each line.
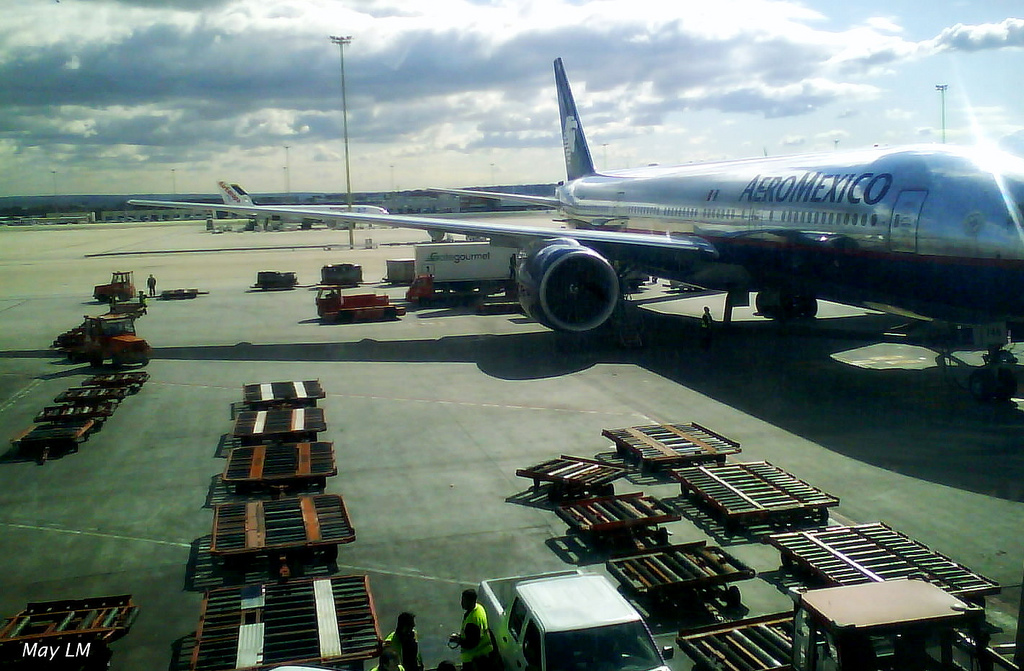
566, 286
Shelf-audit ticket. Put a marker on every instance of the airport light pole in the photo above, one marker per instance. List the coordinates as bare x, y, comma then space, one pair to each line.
287, 172
941, 88
341, 42
53, 173
174, 182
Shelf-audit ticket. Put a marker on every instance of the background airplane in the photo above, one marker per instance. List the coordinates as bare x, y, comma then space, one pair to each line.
931, 232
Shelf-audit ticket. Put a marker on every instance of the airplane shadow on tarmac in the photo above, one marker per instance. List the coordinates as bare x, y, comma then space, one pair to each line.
921, 423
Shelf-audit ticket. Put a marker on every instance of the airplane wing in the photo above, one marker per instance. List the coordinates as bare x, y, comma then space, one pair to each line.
641, 248
545, 201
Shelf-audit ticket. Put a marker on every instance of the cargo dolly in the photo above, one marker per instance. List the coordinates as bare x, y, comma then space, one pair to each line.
850, 555
132, 382
65, 414
661, 445
573, 477
611, 518
71, 625
315, 621
754, 492
42, 441
299, 527
275, 395
91, 395
681, 571
294, 425
761, 643
279, 467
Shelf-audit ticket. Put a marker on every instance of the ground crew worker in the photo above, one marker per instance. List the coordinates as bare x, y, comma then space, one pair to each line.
151, 283
388, 661
475, 637
402, 641
706, 324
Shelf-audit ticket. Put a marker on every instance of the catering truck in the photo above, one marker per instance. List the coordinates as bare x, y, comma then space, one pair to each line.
461, 269
569, 621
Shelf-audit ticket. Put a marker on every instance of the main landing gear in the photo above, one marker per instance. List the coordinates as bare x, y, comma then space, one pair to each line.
995, 381
782, 305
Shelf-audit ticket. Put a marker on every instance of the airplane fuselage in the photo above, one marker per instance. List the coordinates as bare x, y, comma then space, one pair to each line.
929, 231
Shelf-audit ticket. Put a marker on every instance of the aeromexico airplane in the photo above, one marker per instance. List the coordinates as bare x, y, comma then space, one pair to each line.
933, 232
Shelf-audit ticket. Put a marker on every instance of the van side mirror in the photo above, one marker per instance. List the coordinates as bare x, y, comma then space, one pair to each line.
668, 652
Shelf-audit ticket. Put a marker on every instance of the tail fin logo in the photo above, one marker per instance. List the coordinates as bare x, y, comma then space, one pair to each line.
569, 132
228, 194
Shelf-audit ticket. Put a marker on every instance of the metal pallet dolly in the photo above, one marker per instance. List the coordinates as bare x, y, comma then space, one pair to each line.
72, 625
850, 555
573, 477
298, 526
314, 621
131, 381
271, 395
665, 445
41, 441
758, 644
91, 395
70, 414
746, 493
280, 466
611, 518
691, 570
292, 425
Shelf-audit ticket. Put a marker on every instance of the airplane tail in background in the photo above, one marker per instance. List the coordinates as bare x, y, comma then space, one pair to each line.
233, 194
578, 162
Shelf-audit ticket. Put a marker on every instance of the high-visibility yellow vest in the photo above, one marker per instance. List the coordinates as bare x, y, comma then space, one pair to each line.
478, 617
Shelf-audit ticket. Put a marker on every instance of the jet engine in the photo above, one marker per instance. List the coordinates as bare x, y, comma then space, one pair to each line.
566, 286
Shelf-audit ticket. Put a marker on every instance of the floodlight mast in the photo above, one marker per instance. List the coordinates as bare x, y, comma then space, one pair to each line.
341, 42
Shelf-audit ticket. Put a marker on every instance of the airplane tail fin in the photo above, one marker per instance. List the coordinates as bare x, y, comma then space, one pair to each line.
233, 194
578, 162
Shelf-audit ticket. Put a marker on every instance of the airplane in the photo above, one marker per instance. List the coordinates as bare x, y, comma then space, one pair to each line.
233, 194
928, 231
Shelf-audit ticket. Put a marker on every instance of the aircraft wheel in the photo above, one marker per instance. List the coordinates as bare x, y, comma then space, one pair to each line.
806, 306
1005, 385
982, 384
768, 304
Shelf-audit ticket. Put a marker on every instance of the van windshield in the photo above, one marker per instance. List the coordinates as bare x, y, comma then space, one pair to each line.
617, 647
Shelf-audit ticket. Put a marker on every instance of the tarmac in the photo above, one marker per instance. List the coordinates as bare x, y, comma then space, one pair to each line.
432, 414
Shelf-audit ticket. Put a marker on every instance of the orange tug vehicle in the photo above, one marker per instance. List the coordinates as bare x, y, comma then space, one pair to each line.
333, 306
110, 336
120, 288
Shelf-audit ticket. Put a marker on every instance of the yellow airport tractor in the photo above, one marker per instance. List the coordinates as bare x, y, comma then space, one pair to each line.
120, 288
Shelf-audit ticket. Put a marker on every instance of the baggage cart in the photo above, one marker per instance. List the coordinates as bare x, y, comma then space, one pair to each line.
289, 425
279, 467
689, 571
73, 414
874, 552
275, 395
613, 518
180, 294
299, 527
132, 382
310, 621
754, 492
273, 280
573, 477
42, 441
72, 626
665, 445
90, 395
762, 643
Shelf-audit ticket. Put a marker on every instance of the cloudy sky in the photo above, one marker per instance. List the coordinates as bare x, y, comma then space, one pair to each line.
162, 96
